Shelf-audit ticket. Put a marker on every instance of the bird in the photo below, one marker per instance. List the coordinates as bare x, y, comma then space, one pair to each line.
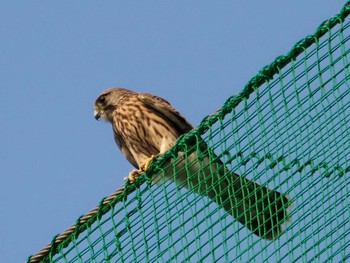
146, 126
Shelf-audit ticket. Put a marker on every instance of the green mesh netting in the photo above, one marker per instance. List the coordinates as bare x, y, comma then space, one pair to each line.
289, 129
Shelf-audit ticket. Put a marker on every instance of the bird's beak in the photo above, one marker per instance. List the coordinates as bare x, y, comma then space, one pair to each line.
97, 115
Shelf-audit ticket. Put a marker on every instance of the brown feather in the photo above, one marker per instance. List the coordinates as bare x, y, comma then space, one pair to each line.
146, 125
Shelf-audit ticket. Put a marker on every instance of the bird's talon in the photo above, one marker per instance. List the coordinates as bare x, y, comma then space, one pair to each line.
144, 166
133, 176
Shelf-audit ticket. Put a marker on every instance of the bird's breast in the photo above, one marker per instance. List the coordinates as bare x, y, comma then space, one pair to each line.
144, 132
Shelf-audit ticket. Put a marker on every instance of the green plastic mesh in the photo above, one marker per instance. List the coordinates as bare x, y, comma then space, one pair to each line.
289, 129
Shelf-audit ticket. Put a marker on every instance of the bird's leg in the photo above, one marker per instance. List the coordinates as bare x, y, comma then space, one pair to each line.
135, 173
144, 166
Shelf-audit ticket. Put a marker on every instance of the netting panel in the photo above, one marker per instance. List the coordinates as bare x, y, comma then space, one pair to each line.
290, 133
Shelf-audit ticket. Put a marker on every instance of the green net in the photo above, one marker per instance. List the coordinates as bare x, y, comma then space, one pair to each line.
288, 130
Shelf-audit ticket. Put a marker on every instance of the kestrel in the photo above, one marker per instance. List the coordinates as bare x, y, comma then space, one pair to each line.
145, 125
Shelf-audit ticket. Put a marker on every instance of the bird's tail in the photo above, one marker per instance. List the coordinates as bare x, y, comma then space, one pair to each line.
262, 210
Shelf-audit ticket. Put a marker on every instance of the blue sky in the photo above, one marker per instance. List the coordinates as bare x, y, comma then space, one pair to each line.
57, 162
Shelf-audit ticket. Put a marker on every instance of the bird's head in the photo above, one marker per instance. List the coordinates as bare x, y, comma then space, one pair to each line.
107, 102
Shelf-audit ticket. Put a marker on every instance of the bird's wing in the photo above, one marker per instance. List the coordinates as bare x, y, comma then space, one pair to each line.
163, 108
182, 126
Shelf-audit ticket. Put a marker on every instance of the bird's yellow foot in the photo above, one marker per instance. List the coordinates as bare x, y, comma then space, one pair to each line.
144, 166
133, 175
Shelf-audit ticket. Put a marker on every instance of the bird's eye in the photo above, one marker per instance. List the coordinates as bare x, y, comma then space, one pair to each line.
102, 99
